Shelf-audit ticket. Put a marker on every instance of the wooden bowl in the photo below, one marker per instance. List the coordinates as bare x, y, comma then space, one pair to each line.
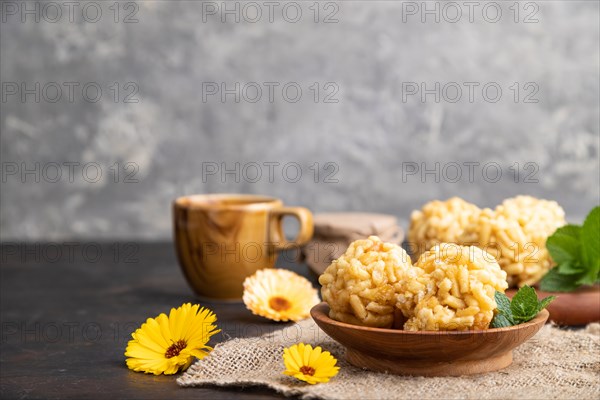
576, 308
427, 353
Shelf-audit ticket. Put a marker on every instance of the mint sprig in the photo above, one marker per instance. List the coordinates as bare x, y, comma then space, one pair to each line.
523, 307
576, 251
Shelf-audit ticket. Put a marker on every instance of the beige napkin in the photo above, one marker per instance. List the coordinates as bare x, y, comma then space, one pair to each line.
335, 231
554, 364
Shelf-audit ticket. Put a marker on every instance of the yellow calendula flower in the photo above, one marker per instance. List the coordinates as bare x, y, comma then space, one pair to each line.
279, 294
165, 345
308, 364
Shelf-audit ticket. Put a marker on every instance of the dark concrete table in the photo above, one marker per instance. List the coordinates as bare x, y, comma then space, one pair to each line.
68, 310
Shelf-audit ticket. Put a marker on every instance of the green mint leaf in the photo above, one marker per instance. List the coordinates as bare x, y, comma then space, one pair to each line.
524, 304
590, 240
570, 268
564, 244
587, 277
553, 281
503, 304
544, 302
500, 321
503, 316
523, 307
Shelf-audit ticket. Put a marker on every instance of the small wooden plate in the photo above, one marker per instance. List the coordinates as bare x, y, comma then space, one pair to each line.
427, 353
576, 308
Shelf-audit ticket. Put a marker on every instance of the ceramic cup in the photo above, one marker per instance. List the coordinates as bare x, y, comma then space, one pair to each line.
221, 239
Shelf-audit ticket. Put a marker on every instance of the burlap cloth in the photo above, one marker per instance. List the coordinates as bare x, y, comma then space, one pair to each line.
554, 364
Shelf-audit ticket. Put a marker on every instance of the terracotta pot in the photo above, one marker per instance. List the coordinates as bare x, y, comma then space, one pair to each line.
580, 307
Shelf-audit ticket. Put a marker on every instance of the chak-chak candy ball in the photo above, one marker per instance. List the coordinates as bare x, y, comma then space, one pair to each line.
439, 222
460, 283
361, 286
515, 233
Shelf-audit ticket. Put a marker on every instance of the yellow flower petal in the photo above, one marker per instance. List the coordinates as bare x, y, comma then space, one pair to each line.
296, 355
199, 354
168, 344
154, 332
135, 349
308, 364
163, 322
176, 319
279, 294
314, 356
149, 366
145, 339
307, 353
190, 325
289, 361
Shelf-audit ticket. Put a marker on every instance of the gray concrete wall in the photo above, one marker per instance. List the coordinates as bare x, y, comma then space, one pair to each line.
157, 132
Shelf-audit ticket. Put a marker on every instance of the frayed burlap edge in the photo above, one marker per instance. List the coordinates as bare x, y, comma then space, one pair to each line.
554, 364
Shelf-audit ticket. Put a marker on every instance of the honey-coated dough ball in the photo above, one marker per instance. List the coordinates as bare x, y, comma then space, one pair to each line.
458, 287
515, 233
439, 222
361, 286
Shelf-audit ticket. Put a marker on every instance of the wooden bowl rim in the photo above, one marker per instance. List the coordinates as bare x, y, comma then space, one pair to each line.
318, 312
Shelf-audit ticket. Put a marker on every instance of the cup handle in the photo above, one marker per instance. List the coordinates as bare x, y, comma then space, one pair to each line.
277, 236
